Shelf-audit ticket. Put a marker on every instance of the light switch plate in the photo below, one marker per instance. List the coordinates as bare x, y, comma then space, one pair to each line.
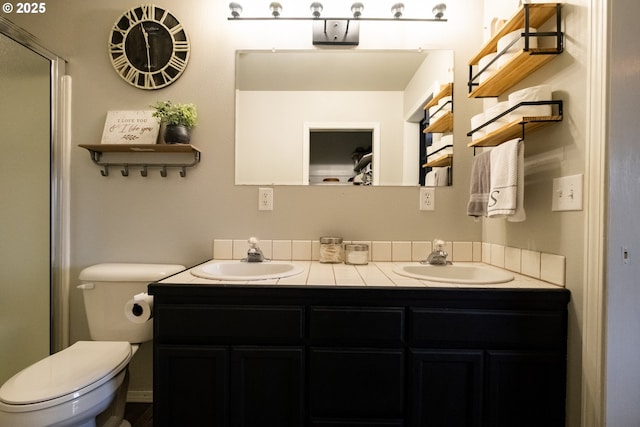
567, 193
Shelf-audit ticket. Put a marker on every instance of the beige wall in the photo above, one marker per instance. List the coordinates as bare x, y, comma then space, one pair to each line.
172, 219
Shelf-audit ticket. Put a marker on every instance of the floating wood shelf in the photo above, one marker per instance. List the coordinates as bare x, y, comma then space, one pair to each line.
523, 64
441, 125
445, 90
539, 13
526, 61
515, 129
446, 160
97, 150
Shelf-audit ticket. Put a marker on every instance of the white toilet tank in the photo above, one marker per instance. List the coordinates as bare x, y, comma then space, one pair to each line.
106, 289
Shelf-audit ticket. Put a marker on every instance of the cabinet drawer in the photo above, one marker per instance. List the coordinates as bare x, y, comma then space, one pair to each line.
487, 328
356, 326
229, 324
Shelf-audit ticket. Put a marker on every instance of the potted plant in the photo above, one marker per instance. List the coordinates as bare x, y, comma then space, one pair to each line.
178, 120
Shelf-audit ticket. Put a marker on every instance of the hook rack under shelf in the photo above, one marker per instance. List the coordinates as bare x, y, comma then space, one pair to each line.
96, 152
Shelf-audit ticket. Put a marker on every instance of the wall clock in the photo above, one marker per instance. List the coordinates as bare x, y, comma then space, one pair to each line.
148, 47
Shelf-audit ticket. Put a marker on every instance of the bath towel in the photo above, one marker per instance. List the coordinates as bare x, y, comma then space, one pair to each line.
519, 215
507, 181
480, 184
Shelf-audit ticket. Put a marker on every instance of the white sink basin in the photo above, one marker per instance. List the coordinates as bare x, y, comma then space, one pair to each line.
243, 271
467, 274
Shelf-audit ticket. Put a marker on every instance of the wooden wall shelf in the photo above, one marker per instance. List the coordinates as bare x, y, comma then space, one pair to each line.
445, 90
441, 125
539, 13
515, 129
526, 61
521, 65
444, 161
97, 151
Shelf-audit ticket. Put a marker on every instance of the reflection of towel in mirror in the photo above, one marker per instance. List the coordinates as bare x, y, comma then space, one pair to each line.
480, 184
442, 176
430, 179
506, 195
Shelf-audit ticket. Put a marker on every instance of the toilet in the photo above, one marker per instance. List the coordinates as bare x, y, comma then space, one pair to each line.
85, 385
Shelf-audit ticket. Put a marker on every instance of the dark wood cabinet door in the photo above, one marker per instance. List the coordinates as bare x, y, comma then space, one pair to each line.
446, 388
267, 387
356, 383
190, 386
525, 389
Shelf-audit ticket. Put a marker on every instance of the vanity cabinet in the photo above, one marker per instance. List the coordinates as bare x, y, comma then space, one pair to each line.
239, 355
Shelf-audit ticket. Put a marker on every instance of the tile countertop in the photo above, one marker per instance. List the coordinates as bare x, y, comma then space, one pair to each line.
374, 274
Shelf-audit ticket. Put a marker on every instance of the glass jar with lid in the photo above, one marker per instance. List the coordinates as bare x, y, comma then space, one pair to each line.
331, 250
356, 254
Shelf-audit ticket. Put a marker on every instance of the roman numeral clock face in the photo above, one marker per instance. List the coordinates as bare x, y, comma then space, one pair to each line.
148, 47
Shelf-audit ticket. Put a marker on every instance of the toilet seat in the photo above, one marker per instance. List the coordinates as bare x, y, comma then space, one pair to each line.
65, 375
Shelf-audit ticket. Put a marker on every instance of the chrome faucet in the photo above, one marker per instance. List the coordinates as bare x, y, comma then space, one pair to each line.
254, 254
438, 256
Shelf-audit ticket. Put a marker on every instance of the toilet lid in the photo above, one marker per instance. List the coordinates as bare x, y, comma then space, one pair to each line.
65, 372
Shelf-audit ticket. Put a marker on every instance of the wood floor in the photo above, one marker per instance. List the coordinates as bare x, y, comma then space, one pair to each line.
139, 414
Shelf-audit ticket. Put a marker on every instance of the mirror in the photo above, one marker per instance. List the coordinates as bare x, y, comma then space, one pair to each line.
307, 117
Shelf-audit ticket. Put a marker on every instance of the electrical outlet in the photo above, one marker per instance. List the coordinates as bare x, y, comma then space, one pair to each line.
265, 199
427, 199
567, 193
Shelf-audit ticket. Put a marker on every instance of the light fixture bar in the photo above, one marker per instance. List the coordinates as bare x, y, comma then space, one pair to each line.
311, 18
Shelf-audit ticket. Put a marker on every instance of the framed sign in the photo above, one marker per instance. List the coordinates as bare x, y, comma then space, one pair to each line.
130, 127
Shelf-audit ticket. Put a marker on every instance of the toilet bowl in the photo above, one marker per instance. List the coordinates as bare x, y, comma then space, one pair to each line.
85, 385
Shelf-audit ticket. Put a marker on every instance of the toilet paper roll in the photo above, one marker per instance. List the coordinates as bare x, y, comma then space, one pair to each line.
504, 41
534, 93
476, 121
503, 59
494, 112
484, 61
140, 308
446, 140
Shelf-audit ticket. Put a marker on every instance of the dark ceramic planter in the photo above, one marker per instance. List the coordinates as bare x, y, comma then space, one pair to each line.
176, 134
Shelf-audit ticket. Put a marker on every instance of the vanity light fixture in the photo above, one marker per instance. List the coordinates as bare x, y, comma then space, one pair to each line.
397, 11
337, 31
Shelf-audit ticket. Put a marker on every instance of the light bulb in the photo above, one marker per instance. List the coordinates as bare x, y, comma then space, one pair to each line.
236, 9
357, 9
316, 9
397, 10
275, 9
438, 10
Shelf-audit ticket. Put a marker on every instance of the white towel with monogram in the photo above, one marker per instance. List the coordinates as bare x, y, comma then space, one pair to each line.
506, 194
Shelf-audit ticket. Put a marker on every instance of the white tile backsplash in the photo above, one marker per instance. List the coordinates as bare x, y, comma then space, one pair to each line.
301, 250
380, 251
530, 263
222, 249
462, 252
513, 259
420, 250
497, 255
548, 267
281, 250
552, 268
401, 251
